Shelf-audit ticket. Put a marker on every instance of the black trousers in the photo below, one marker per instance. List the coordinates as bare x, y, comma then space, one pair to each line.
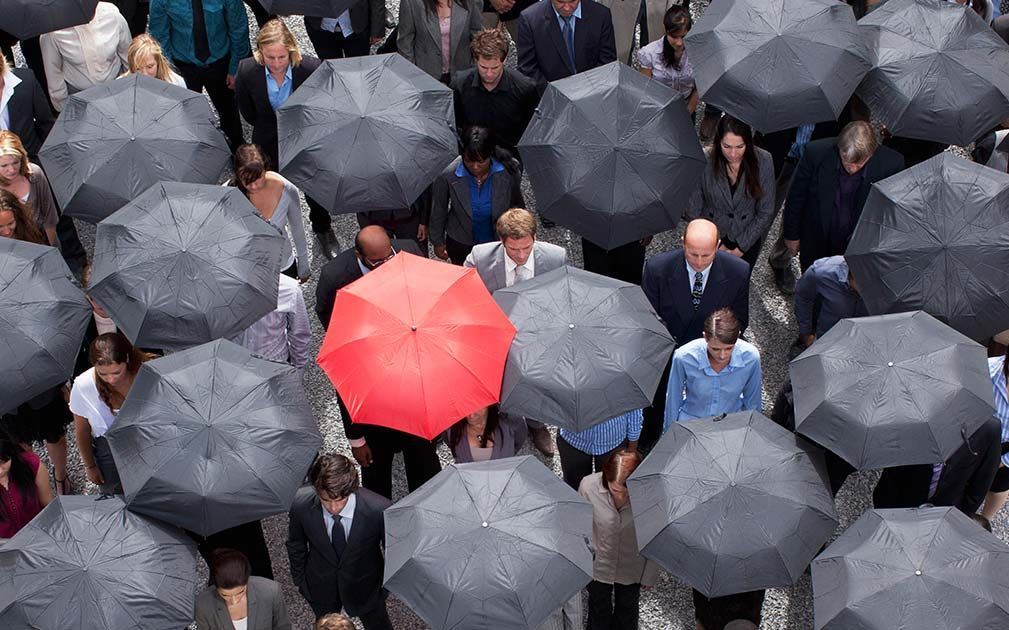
457, 252
319, 216
262, 15
335, 45
214, 77
419, 458
576, 464
654, 416
70, 244
613, 606
626, 262
135, 13
247, 538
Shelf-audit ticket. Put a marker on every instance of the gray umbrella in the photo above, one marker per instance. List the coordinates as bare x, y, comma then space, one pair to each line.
25, 19
213, 437
43, 316
777, 64
912, 569
612, 155
891, 390
86, 563
939, 72
732, 504
367, 133
588, 348
186, 263
935, 238
315, 8
498, 544
115, 140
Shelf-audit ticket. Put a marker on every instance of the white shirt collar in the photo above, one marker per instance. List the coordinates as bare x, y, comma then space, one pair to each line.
530, 263
11, 81
346, 515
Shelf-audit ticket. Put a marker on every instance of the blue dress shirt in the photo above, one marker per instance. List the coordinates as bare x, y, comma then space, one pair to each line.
480, 200
278, 94
606, 436
826, 283
577, 15
701, 392
1001, 399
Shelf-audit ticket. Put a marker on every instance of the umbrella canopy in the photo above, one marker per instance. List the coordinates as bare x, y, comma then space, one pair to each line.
891, 390
25, 19
777, 64
43, 316
612, 155
214, 437
732, 504
498, 544
588, 348
910, 569
940, 73
184, 264
935, 238
115, 140
86, 563
415, 345
314, 8
367, 133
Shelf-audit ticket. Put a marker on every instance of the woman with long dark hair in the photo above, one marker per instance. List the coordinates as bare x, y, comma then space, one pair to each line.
454, 21
481, 436
665, 59
24, 486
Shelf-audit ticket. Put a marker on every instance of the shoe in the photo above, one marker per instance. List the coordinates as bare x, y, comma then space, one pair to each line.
547, 223
542, 440
328, 244
784, 280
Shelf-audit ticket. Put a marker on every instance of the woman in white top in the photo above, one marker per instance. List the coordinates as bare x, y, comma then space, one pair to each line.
95, 399
277, 201
665, 59
226, 604
28, 183
146, 57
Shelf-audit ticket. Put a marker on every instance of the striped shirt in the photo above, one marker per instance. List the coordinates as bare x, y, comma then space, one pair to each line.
998, 384
606, 436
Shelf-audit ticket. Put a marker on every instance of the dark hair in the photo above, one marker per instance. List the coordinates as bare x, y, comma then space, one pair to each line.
20, 472
979, 6
858, 7
722, 325
109, 349
750, 168
676, 20
334, 475
490, 43
229, 568
24, 224
457, 432
250, 163
432, 5
477, 144
619, 466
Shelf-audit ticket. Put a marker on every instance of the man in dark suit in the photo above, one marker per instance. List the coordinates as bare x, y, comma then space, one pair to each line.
560, 38
374, 447
830, 185
335, 544
349, 35
685, 286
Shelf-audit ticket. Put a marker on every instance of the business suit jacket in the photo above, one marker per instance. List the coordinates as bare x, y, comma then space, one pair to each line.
266, 608
254, 102
809, 206
354, 580
30, 115
366, 16
542, 54
668, 285
343, 270
419, 36
452, 210
963, 482
489, 261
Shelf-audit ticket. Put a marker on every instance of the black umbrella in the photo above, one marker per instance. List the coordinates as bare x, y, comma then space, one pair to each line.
912, 569
367, 133
891, 390
43, 316
939, 71
213, 437
588, 348
732, 504
315, 8
86, 563
498, 544
777, 64
25, 19
935, 238
612, 155
115, 140
184, 264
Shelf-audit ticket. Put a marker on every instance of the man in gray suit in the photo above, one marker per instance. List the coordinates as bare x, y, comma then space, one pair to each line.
516, 257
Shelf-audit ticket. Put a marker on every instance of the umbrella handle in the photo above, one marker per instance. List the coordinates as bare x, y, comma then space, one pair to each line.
720, 418
963, 433
103, 497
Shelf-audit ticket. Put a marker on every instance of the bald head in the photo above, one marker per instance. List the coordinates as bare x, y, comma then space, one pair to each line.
373, 245
700, 243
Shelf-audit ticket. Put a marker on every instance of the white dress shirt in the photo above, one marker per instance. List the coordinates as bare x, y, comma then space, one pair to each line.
346, 518
284, 334
704, 276
11, 81
529, 269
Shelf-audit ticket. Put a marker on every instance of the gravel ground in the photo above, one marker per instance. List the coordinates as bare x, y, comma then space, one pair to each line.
668, 605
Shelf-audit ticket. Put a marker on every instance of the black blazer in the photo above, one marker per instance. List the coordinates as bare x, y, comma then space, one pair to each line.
366, 16
542, 54
963, 482
254, 102
30, 115
352, 581
810, 203
667, 285
452, 211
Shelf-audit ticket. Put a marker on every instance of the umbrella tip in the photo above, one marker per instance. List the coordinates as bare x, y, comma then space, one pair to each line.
413, 328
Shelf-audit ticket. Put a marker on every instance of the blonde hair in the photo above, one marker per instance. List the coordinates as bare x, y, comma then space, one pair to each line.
276, 32
334, 621
3, 63
516, 223
10, 145
141, 47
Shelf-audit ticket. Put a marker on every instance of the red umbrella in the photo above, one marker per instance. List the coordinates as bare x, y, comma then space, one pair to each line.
416, 345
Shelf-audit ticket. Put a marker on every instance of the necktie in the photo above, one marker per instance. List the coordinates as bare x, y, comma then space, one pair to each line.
338, 538
569, 40
520, 273
201, 46
698, 289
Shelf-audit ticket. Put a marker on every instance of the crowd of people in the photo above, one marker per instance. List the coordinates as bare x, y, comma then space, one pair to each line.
472, 215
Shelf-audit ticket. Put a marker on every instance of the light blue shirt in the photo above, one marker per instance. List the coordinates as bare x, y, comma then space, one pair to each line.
691, 272
577, 15
702, 392
606, 436
1001, 399
330, 24
278, 94
346, 518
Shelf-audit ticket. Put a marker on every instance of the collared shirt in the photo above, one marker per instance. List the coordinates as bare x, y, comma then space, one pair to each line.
330, 24
682, 80
577, 15
171, 23
11, 81
842, 222
802, 136
510, 266
278, 94
480, 196
284, 334
691, 272
506, 110
826, 283
998, 383
346, 517
702, 392
606, 436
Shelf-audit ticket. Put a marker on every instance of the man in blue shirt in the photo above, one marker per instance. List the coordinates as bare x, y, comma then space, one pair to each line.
580, 450
205, 39
829, 285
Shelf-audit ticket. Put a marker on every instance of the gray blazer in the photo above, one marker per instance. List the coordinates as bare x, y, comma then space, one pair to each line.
738, 217
504, 444
266, 608
419, 37
452, 211
488, 260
